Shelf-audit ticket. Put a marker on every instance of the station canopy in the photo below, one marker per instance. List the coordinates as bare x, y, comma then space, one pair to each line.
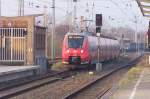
145, 7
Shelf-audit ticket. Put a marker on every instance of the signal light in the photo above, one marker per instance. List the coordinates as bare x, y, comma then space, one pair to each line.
98, 19
98, 29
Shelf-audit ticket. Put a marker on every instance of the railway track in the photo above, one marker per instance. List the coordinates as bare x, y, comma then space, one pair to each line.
54, 61
85, 87
103, 92
17, 82
16, 89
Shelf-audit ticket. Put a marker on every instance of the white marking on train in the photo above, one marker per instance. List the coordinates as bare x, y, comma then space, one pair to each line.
137, 84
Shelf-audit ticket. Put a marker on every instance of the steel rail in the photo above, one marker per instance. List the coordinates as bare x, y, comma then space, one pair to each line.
100, 78
18, 89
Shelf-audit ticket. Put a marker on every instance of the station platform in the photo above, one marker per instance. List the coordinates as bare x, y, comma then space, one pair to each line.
137, 89
137, 85
14, 72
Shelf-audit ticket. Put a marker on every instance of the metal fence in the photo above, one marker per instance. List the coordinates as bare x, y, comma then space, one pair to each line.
13, 44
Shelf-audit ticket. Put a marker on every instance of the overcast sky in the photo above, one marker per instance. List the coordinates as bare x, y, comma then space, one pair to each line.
115, 12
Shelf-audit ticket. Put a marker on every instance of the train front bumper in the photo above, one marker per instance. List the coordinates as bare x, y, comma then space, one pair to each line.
78, 60
75, 60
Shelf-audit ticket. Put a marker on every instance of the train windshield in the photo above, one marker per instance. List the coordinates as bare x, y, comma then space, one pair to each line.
75, 41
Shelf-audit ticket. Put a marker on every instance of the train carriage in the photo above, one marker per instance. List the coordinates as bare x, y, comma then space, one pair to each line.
82, 48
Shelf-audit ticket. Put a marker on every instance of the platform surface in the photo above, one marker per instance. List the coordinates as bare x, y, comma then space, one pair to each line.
138, 89
139, 86
13, 69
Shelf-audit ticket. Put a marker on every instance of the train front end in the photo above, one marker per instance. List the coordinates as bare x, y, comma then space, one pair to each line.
75, 50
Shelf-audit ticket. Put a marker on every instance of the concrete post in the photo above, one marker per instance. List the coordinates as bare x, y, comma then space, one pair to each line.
99, 64
99, 67
53, 33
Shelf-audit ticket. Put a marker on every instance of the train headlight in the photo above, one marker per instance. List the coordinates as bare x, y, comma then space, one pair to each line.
82, 51
68, 51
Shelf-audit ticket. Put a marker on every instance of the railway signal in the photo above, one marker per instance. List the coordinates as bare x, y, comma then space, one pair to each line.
98, 19
98, 23
98, 32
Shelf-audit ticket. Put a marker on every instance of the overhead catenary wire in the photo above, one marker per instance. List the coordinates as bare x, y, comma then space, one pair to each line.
121, 10
47, 2
136, 21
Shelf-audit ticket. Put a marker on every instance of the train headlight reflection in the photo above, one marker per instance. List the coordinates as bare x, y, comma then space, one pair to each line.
68, 51
82, 51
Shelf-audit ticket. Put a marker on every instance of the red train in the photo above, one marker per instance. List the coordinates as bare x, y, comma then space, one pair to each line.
81, 48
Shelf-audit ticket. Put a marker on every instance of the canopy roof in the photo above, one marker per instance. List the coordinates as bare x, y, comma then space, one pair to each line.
145, 7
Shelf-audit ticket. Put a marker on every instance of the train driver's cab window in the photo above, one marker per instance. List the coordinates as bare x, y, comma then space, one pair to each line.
75, 41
